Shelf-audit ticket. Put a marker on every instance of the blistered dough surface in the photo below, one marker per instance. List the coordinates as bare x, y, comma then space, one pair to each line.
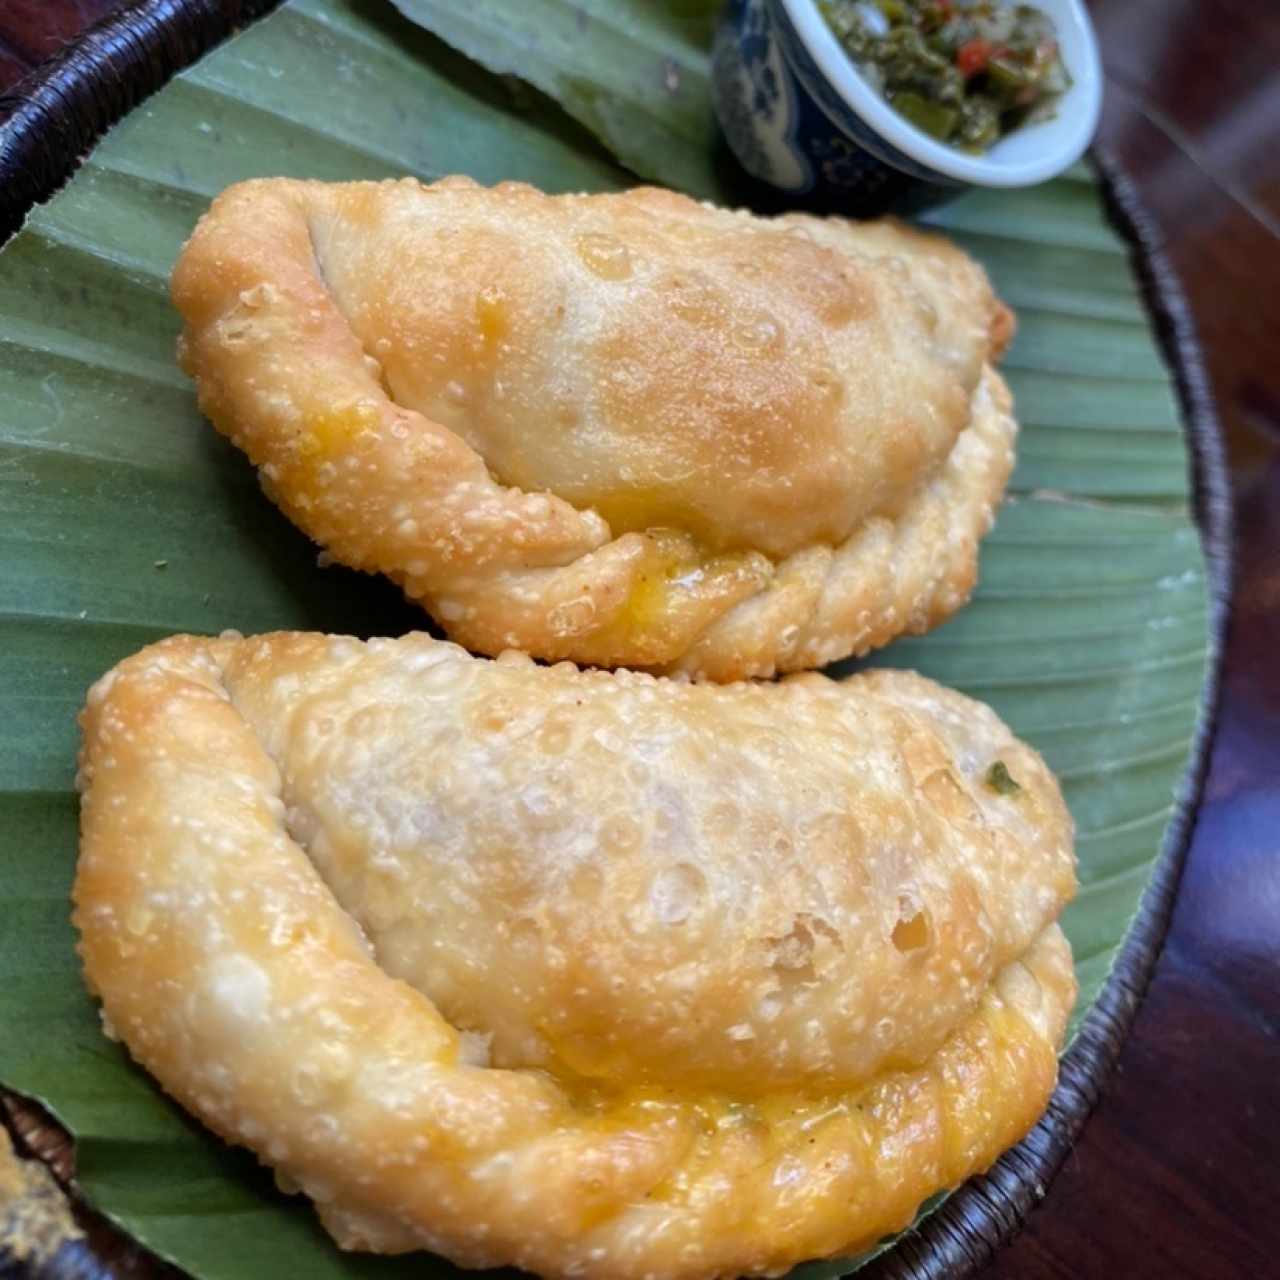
623, 429
588, 973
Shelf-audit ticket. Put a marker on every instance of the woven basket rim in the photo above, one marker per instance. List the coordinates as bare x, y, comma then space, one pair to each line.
61, 110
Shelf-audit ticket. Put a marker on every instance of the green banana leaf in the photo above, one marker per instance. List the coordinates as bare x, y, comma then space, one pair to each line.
123, 517
635, 74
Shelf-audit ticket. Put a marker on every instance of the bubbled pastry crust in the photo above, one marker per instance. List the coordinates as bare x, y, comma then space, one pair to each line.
624, 429
574, 971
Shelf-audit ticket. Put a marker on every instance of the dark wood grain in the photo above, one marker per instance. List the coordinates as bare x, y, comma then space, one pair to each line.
1176, 1171
33, 30
1174, 1175
13, 63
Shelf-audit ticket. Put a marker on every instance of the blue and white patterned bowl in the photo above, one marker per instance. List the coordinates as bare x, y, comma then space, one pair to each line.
798, 114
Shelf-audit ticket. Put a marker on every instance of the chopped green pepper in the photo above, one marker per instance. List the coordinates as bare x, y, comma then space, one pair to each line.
932, 117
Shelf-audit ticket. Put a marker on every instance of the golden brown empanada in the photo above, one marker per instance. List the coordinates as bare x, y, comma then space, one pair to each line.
595, 974
622, 429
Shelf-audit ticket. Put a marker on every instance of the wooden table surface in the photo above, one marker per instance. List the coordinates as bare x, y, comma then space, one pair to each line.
1176, 1172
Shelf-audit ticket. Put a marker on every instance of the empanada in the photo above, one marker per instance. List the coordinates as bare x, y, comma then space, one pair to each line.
621, 429
591, 973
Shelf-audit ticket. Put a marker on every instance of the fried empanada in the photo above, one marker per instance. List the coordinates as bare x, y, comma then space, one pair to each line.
591, 973
622, 429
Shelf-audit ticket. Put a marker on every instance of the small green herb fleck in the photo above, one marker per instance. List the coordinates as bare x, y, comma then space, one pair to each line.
999, 781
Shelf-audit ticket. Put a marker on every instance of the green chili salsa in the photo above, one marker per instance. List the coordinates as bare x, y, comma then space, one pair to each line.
965, 73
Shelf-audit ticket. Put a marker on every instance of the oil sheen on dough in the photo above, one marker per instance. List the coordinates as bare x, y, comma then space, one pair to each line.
591, 973
623, 429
